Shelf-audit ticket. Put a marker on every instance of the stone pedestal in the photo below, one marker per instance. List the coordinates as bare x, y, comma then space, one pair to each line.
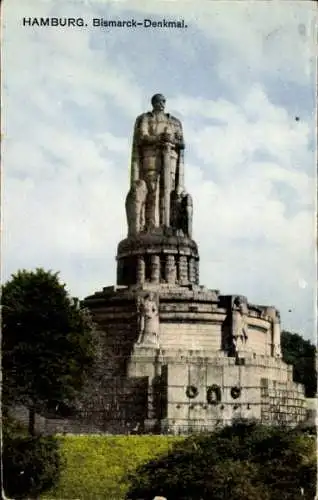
157, 258
145, 362
195, 328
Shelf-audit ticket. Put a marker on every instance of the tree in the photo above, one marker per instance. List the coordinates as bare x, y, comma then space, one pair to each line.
31, 465
47, 343
301, 354
241, 462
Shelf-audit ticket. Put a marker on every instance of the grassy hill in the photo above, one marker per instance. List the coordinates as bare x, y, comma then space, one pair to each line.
96, 467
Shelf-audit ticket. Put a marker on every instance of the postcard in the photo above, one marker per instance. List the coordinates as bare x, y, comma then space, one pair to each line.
160, 158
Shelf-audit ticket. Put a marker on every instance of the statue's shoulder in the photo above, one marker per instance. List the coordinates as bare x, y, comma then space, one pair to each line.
148, 114
174, 120
141, 118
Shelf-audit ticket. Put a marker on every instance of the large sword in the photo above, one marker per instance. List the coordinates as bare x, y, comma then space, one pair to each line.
166, 183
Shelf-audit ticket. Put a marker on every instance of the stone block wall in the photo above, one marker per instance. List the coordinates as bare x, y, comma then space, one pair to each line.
204, 392
282, 403
137, 388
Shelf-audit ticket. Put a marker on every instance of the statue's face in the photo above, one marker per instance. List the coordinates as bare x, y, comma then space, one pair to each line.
238, 302
158, 102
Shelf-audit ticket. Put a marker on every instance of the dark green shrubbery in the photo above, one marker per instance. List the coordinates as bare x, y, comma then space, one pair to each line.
301, 354
31, 464
47, 344
242, 462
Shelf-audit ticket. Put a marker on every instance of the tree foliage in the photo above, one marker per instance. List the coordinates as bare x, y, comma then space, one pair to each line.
242, 462
301, 354
46, 343
31, 465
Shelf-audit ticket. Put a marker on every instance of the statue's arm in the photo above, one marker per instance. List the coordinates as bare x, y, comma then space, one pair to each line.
143, 136
179, 140
180, 146
134, 171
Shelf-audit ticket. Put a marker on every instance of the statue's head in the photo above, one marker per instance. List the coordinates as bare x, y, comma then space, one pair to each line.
241, 304
238, 301
150, 296
158, 102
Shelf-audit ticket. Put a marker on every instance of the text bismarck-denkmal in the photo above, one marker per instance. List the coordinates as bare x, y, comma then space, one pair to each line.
69, 22
133, 23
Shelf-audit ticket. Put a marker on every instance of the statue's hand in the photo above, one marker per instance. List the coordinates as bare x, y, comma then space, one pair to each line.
147, 139
166, 137
180, 191
179, 140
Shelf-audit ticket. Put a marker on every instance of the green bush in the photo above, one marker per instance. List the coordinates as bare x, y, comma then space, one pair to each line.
31, 465
242, 462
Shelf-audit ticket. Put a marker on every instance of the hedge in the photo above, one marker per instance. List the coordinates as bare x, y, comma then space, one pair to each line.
97, 467
31, 465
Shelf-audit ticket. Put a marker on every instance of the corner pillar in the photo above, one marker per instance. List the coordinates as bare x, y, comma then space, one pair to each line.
171, 271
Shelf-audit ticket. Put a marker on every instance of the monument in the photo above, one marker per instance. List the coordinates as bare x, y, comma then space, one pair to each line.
174, 356
159, 247
156, 169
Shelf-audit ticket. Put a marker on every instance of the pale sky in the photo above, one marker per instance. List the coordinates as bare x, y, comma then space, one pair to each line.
241, 78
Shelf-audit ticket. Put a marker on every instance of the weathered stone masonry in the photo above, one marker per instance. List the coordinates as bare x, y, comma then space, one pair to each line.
174, 356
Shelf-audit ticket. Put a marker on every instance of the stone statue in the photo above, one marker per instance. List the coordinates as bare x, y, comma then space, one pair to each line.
186, 214
157, 159
148, 320
181, 212
239, 324
135, 207
274, 316
277, 352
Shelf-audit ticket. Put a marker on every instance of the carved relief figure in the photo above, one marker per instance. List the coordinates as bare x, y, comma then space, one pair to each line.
239, 324
186, 214
157, 159
135, 207
148, 320
181, 212
277, 352
274, 316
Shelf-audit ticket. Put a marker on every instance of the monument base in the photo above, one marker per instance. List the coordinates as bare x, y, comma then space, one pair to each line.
158, 258
193, 381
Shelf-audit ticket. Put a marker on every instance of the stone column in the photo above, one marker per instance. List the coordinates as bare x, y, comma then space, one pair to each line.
170, 270
141, 270
192, 270
183, 269
155, 268
196, 267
